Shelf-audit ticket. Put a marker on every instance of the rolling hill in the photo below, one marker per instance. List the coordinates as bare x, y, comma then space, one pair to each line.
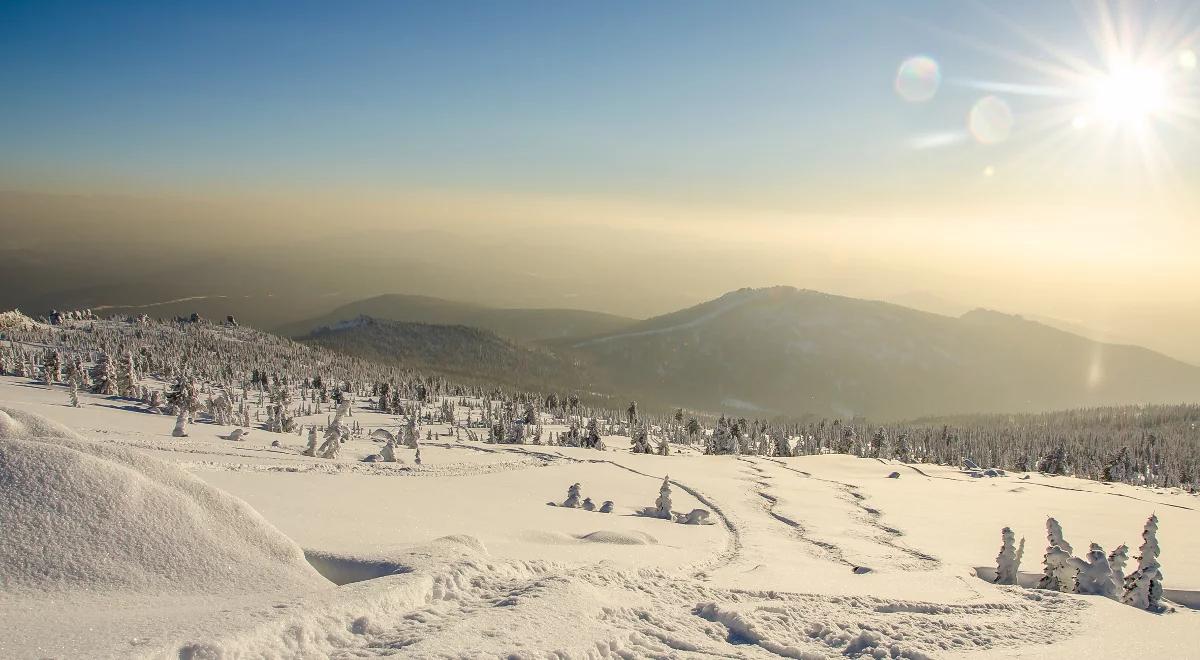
462, 352
787, 351
518, 324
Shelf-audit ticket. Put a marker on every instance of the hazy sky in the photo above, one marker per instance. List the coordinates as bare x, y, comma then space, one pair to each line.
1054, 161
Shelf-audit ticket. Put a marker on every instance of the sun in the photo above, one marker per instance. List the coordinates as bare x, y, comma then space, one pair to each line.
1129, 94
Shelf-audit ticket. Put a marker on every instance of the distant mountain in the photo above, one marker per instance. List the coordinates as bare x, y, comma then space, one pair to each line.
787, 351
464, 353
519, 324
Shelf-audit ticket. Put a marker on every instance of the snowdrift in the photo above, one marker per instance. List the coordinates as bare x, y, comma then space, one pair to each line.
80, 516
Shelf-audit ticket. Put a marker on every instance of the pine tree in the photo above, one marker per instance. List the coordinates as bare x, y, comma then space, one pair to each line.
1058, 574
183, 395
127, 377
1095, 574
662, 506
180, 423
74, 397
104, 376
1007, 563
573, 497
1143, 588
1054, 534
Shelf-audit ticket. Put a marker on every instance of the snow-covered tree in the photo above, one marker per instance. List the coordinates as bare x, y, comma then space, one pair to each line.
573, 500
1143, 587
51, 367
155, 404
1117, 560
592, 439
127, 379
388, 453
781, 446
1054, 534
180, 424
311, 449
74, 395
607, 507
640, 444
412, 432
1058, 572
588, 504
104, 377
1095, 574
184, 396
662, 506
1008, 562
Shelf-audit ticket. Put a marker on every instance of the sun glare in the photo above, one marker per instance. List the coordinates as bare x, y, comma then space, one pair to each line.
1129, 94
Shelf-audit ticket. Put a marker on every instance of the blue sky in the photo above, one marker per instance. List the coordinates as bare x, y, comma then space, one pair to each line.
728, 101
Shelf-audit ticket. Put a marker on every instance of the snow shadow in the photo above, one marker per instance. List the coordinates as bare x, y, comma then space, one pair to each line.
342, 570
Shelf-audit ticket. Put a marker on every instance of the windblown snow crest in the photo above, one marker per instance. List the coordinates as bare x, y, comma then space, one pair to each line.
80, 516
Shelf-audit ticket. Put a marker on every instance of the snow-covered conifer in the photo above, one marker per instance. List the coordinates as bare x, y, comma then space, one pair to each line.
311, 449
1054, 534
1143, 588
1058, 573
1117, 560
180, 424
127, 377
1095, 574
1007, 563
74, 395
104, 377
662, 506
640, 443
573, 500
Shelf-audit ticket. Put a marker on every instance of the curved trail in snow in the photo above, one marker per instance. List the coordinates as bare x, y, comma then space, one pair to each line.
733, 544
871, 517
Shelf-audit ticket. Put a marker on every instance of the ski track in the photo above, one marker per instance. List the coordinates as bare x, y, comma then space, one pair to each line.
825, 550
871, 517
733, 544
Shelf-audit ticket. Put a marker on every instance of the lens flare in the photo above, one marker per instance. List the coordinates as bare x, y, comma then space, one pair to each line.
1187, 59
990, 120
918, 79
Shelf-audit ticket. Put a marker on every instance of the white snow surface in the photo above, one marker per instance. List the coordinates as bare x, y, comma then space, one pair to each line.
122, 541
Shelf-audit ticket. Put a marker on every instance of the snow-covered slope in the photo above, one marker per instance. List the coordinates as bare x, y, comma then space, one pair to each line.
813, 557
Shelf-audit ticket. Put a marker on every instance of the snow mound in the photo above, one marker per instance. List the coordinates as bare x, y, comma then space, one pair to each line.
619, 538
82, 516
